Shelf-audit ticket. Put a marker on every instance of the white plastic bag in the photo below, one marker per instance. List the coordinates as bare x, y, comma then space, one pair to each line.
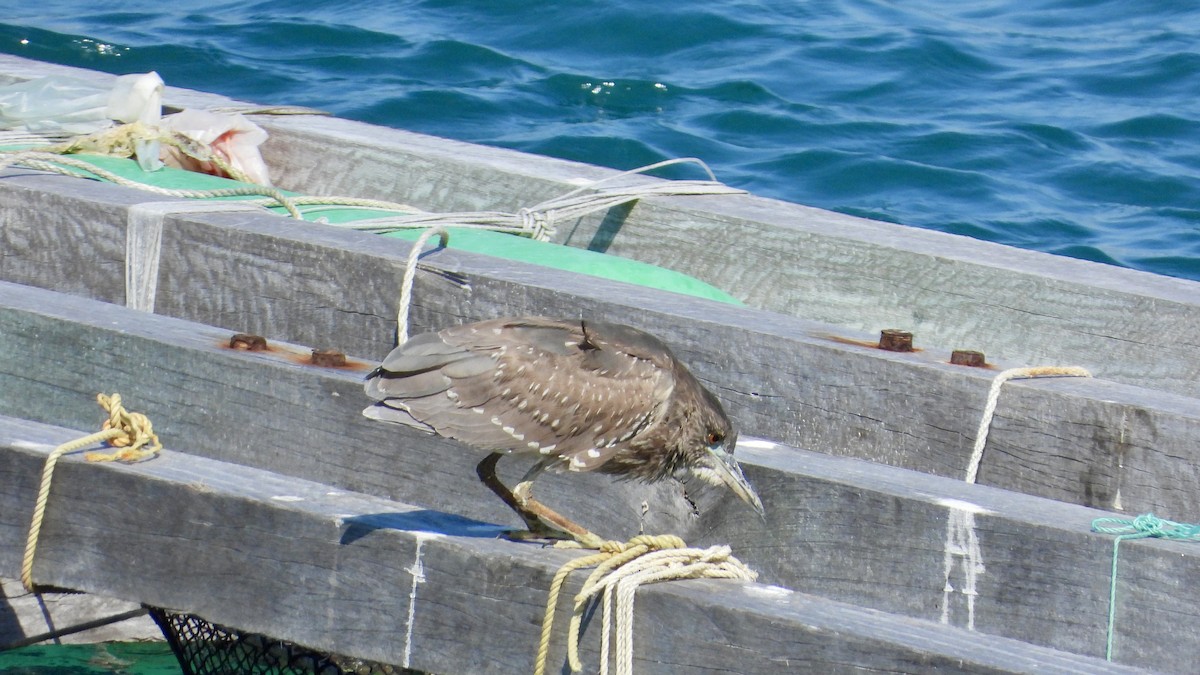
58, 105
233, 138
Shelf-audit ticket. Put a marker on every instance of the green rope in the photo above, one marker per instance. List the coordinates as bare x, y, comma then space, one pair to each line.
1145, 525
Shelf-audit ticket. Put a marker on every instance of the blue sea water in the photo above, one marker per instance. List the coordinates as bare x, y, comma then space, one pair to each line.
1067, 126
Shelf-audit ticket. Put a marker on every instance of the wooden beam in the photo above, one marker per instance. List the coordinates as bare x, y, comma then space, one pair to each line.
861, 275
967, 555
381, 580
1088, 442
854, 531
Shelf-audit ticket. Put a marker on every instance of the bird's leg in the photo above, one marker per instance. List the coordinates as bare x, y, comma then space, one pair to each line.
486, 470
541, 521
547, 517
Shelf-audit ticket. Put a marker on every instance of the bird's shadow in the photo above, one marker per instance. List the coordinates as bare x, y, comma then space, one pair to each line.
421, 520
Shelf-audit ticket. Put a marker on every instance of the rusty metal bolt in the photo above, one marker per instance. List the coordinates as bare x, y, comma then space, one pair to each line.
893, 340
247, 342
967, 357
328, 358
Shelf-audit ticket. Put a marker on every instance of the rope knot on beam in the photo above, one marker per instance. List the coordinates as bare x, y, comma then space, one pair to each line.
135, 440
1140, 527
621, 567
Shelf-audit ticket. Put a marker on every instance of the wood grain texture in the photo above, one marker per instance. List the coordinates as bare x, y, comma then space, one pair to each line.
343, 572
800, 382
1018, 306
861, 275
849, 530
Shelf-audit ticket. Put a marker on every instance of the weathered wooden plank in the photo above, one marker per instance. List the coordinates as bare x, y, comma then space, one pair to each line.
386, 581
781, 377
862, 275
264, 409
967, 555
1018, 306
855, 531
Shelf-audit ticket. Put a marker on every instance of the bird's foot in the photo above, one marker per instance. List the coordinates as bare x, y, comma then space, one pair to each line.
557, 537
545, 521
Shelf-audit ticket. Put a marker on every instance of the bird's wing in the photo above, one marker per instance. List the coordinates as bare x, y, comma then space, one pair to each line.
526, 385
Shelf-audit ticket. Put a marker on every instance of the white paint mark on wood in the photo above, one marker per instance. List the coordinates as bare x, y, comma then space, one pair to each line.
418, 577
767, 591
962, 506
961, 552
1116, 503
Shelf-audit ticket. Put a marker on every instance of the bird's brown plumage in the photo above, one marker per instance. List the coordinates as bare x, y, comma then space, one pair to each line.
581, 395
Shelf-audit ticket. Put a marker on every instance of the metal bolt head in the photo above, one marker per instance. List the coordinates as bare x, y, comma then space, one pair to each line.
895, 340
328, 358
967, 357
248, 342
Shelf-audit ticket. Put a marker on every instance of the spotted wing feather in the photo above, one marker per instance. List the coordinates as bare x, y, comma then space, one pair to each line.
577, 392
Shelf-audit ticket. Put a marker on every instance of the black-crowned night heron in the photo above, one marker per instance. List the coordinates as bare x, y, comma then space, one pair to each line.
580, 395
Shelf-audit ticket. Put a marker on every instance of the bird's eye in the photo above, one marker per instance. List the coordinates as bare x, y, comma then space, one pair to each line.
714, 437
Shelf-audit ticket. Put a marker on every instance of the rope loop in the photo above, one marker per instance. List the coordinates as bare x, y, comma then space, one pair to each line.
1140, 527
137, 440
410, 273
621, 567
1146, 525
993, 399
131, 432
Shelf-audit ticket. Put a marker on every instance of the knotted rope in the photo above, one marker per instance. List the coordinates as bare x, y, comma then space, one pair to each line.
989, 409
538, 221
620, 569
132, 435
1141, 527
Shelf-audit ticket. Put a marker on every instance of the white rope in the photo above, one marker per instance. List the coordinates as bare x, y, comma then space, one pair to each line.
25, 137
54, 163
539, 221
619, 588
274, 110
989, 409
144, 222
143, 244
410, 273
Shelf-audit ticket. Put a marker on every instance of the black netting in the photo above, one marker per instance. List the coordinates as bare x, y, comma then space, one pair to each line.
204, 648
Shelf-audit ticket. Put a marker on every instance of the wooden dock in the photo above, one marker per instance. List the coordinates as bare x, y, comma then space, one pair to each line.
272, 473
953, 292
808, 384
277, 508
384, 580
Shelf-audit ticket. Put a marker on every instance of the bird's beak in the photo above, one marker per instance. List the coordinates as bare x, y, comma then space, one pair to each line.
730, 473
